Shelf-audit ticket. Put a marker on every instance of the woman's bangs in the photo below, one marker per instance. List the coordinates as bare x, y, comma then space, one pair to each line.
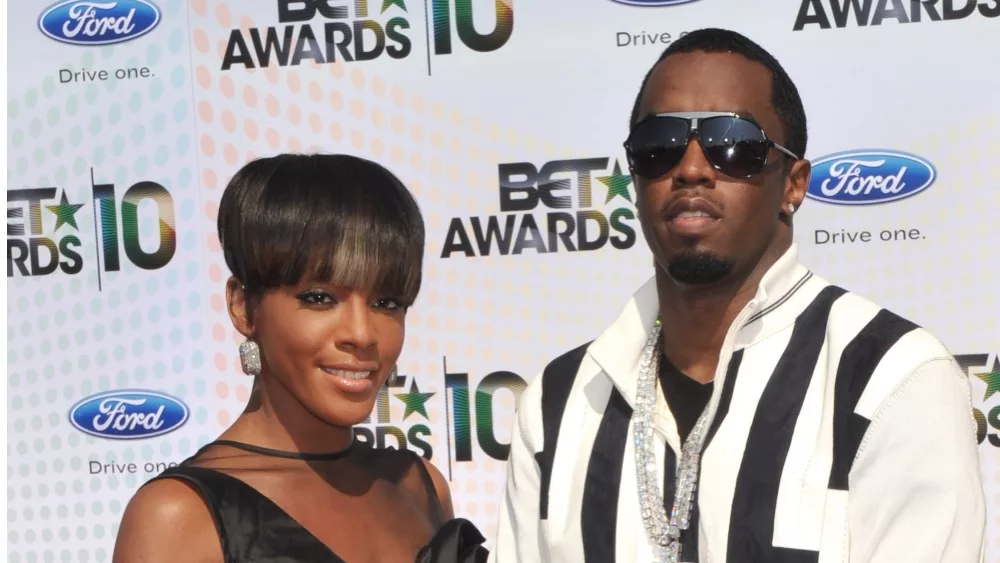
362, 254
328, 219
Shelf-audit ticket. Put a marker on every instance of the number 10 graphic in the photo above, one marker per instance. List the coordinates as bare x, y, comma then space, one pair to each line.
105, 206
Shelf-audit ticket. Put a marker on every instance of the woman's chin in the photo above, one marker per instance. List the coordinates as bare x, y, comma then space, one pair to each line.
344, 411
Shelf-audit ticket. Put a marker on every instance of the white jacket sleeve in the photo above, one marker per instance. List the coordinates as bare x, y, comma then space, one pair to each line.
519, 536
915, 488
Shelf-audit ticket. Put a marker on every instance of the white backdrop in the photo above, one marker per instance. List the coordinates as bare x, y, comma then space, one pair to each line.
137, 302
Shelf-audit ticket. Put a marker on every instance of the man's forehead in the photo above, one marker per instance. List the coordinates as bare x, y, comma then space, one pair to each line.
742, 112
701, 81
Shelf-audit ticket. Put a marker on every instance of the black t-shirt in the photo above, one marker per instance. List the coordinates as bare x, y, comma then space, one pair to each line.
685, 397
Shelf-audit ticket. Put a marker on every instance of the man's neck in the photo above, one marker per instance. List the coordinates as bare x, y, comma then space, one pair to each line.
695, 320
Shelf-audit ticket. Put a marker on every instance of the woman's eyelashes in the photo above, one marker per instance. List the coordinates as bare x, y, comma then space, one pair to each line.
321, 298
316, 298
389, 303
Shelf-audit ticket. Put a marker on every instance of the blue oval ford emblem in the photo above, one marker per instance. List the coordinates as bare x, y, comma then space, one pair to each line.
83, 22
867, 177
128, 414
653, 2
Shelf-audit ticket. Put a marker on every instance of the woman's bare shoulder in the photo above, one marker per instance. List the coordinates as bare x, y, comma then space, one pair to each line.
166, 521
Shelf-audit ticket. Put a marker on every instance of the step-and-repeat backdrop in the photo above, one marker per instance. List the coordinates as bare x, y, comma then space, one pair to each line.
126, 118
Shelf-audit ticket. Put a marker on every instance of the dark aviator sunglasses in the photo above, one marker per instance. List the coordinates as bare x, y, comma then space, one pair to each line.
733, 145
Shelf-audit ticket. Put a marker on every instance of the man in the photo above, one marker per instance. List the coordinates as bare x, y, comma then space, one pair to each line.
812, 425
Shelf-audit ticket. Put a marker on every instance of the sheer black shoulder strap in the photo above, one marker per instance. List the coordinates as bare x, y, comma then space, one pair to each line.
432, 492
211, 486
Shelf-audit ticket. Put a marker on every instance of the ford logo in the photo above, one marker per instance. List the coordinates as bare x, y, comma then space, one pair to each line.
653, 2
83, 22
128, 414
867, 177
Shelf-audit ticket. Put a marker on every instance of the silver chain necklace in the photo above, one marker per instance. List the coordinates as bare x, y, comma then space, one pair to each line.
663, 530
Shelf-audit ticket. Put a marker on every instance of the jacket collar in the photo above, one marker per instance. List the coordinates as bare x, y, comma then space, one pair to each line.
619, 348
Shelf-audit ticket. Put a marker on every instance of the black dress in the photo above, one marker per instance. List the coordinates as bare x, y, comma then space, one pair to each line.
361, 500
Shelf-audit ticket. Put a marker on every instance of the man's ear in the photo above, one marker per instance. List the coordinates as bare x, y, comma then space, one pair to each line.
238, 303
796, 185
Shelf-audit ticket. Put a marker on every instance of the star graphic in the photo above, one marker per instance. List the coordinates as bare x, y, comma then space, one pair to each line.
386, 4
65, 213
617, 184
414, 401
991, 378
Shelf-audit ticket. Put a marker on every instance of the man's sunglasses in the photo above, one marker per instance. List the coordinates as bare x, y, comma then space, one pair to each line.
733, 145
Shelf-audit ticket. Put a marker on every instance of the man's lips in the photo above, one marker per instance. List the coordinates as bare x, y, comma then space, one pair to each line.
692, 216
692, 207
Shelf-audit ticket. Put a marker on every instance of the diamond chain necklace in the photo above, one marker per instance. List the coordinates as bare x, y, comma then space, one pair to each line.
663, 530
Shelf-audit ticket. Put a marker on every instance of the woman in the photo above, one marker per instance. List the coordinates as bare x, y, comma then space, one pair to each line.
326, 254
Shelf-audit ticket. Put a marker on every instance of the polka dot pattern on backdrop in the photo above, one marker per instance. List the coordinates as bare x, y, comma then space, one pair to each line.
73, 335
190, 126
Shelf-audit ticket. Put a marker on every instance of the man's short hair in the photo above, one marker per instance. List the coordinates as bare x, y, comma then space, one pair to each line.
784, 95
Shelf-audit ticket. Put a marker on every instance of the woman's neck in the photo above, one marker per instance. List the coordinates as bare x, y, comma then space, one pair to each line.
274, 418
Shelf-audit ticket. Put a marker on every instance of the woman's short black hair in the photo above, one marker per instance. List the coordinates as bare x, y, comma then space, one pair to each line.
323, 217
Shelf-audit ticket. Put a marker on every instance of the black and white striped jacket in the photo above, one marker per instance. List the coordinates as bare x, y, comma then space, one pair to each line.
842, 433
